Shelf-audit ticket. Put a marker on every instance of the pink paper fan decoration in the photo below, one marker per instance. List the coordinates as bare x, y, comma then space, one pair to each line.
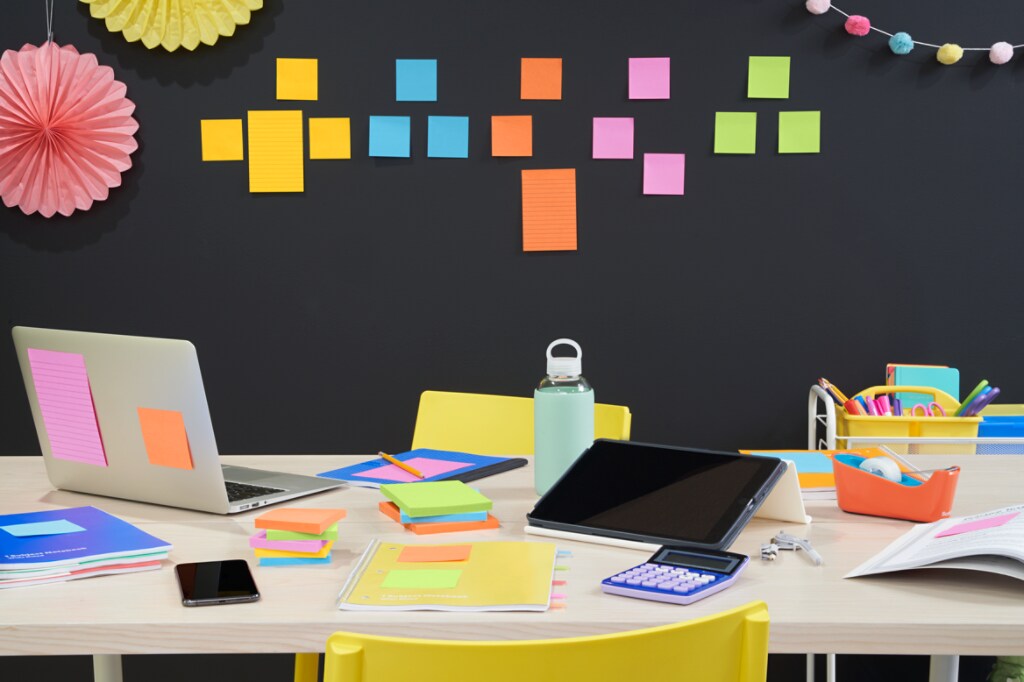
66, 130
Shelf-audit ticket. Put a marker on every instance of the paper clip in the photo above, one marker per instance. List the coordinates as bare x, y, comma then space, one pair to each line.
787, 541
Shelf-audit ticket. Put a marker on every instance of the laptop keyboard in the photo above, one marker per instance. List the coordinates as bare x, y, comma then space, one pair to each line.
244, 491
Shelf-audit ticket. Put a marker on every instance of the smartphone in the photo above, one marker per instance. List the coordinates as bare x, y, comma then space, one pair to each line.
216, 582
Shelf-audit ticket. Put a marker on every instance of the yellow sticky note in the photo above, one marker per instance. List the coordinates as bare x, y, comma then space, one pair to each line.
296, 79
275, 151
163, 433
222, 139
330, 138
281, 553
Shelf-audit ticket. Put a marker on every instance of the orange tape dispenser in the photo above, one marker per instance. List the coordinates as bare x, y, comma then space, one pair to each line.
878, 486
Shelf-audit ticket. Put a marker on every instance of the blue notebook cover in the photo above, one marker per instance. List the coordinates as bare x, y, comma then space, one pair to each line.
59, 537
477, 466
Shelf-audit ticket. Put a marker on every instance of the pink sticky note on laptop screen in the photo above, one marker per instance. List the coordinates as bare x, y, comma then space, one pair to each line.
980, 524
426, 466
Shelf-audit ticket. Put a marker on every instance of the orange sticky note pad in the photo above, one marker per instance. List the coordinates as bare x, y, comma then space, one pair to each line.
549, 210
300, 519
163, 433
390, 509
541, 78
419, 553
511, 135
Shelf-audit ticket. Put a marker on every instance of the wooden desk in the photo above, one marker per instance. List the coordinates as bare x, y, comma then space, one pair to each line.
812, 608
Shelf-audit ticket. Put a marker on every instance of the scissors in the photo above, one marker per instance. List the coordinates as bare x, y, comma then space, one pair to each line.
933, 409
980, 402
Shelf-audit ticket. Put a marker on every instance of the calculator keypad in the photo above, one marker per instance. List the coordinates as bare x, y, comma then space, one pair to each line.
673, 584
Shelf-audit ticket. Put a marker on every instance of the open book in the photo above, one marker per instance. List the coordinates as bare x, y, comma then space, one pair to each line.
992, 541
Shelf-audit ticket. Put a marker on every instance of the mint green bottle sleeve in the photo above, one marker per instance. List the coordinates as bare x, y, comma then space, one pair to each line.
563, 416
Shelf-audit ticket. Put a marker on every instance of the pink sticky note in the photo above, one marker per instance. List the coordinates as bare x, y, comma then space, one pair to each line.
649, 77
65, 401
613, 138
260, 541
426, 466
664, 173
980, 524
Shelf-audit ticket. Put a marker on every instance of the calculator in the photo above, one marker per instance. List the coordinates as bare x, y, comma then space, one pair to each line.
678, 575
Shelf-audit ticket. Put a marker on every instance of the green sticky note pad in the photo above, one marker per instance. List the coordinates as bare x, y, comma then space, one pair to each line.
799, 132
735, 132
768, 78
330, 534
433, 498
428, 579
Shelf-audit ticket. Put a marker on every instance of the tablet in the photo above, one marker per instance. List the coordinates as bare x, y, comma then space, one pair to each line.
658, 494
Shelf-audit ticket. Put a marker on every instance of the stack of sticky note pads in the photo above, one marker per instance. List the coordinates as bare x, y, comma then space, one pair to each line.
293, 536
437, 507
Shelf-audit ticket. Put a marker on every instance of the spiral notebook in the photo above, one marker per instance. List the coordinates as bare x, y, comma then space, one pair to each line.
436, 465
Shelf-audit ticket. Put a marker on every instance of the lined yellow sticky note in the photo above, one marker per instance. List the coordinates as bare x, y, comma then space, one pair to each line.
281, 553
163, 433
296, 79
222, 139
275, 151
330, 138
549, 210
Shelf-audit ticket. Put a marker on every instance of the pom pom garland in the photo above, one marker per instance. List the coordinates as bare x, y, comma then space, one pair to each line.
818, 6
1000, 53
901, 43
857, 25
950, 53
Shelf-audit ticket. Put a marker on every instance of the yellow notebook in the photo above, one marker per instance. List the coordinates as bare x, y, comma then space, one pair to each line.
496, 576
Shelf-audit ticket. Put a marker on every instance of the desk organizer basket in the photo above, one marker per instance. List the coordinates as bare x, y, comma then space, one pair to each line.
862, 492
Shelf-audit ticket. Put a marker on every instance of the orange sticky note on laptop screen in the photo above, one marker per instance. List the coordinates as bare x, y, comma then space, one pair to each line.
163, 432
300, 519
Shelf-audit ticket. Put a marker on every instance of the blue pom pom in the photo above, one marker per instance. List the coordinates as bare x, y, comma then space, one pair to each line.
901, 43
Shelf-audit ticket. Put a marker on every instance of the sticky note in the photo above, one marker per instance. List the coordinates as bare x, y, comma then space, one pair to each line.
549, 210
735, 132
613, 138
297, 79
293, 561
417, 553
281, 553
511, 135
649, 77
448, 137
330, 534
163, 433
806, 462
540, 78
423, 579
426, 466
65, 401
222, 139
435, 497
799, 132
389, 136
59, 527
768, 78
664, 173
275, 151
330, 138
416, 80
979, 524
299, 519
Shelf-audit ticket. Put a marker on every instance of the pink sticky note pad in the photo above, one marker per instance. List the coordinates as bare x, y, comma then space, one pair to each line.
613, 138
980, 524
649, 77
664, 173
260, 541
426, 466
65, 401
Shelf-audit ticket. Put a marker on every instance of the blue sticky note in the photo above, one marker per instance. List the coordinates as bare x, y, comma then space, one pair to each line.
806, 462
444, 518
416, 80
448, 137
293, 561
59, 527
389, 136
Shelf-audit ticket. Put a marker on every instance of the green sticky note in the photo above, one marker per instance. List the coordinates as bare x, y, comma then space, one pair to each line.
799, 132
330, 534
735, 132
768, 78
426, 579
433, 498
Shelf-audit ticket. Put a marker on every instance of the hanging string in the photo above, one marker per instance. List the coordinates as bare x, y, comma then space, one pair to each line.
918, 42
49, 20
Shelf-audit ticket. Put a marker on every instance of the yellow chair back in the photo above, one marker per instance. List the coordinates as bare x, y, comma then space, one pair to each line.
495, 424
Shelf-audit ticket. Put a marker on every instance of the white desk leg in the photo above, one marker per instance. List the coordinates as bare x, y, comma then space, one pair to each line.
830, 667
944, 669
810, 668
107, 668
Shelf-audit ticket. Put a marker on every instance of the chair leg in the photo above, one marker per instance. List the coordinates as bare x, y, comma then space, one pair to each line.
107, 668
307, 667
944, 668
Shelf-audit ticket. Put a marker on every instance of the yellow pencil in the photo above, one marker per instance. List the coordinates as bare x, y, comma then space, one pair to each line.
401, 465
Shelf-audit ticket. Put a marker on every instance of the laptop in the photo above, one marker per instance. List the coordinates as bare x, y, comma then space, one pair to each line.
126, 416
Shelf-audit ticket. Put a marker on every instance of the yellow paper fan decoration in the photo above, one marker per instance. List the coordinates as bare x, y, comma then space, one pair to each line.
173, 23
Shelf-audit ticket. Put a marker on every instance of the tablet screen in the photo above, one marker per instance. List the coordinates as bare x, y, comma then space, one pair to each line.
658, 494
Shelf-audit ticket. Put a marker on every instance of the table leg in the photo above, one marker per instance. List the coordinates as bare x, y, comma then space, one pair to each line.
830, 667
809, 676
107, 668
944, 669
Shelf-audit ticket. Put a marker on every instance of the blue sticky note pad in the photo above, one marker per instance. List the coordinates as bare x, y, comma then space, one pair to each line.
389, 136
293, 561
59, 527
445, 518
416, 80
448, 137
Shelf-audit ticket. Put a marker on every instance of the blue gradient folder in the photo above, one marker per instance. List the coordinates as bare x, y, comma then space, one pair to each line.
476, 466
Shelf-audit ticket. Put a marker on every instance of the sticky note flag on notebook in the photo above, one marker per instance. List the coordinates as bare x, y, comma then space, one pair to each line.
424, 579
978, 524
275, 151
511, 135
28, 530
163, 433
540, 78
664, 173
768, 78
448, 137
330, 138
299, 519
416, 80
389, 136
222, 139
613, 138
649, 77
65, 401
735, 132
297, 79
428, 553
549, 210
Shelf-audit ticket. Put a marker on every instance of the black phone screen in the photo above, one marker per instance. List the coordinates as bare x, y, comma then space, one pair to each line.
216, 582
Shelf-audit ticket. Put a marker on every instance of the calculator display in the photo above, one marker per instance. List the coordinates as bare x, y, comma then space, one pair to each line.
695, 560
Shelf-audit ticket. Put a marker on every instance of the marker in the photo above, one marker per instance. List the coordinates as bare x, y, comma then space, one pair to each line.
870, 403
401, 465
852, 407
897, 407
882, 403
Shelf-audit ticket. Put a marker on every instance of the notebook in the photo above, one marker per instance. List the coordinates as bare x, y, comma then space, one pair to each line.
435, 465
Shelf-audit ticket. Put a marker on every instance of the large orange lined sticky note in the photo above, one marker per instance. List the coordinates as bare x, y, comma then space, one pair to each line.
300, 519
511, 135
541, 78
65, 402
549, 210
275, 151
163, 434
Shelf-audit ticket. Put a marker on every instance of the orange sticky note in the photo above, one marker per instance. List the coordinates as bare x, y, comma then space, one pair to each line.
300, 519
390, 509
541, 78
549, 210
511, 135
163, 432
419, 553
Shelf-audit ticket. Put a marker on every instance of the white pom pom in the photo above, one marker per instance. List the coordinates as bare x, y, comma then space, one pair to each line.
818, 6
1000, 53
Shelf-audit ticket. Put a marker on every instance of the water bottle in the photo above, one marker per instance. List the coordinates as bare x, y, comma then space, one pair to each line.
563, 417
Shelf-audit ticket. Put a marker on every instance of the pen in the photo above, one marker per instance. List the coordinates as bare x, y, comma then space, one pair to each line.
401, 465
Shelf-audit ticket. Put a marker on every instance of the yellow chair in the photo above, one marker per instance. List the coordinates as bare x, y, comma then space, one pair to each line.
495, 424
727, 647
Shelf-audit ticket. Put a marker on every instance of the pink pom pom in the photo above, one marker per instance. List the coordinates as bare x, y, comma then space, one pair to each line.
1000, 53
818, 6
858, 25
